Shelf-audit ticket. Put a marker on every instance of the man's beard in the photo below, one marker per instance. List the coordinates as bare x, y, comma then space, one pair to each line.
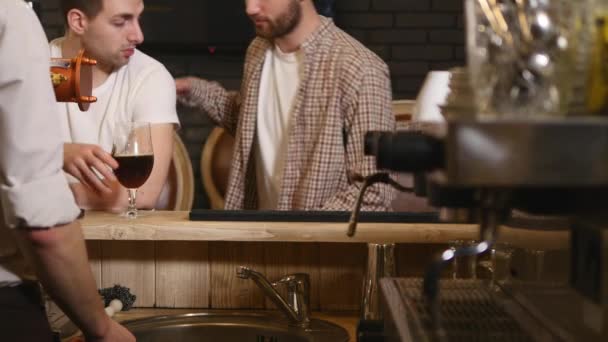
284, 24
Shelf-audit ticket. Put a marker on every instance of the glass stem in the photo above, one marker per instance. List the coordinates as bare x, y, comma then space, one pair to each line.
132, 208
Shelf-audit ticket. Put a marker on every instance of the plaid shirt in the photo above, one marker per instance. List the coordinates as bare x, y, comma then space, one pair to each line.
344, 92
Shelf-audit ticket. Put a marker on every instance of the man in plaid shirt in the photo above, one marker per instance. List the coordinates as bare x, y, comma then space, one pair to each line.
309, 94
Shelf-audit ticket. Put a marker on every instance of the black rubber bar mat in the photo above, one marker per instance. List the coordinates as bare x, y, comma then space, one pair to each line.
311, 216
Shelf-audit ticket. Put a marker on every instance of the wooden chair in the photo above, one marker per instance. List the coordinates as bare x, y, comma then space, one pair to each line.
216, 160
403, 110
178, 191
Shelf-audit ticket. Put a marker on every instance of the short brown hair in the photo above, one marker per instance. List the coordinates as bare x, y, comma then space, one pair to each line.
89, 7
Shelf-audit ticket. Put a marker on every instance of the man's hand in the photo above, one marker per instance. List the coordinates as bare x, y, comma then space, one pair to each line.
183, 85
115, 333
90, 199
79, 159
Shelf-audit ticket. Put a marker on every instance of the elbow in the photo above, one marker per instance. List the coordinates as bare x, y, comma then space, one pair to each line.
147, 202
42, 238
147, 206
152, 194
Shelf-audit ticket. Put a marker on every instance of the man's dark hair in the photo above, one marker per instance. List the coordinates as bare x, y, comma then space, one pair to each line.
89, 7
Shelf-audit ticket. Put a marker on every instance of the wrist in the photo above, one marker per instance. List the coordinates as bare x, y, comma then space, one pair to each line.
81, 196
196, 92
99, 328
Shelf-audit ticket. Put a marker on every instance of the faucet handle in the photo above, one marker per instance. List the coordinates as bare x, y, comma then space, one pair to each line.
297, 284
243, 272
293, 279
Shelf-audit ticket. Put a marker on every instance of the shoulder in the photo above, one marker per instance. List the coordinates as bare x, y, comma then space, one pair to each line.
257, 48
142, 67
20, 30
354, 54
356, 67
55, 47
14, 7
3, 17
140, 63
346, 56
17, 15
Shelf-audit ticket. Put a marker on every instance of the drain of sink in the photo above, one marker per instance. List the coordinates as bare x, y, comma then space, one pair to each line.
262, 338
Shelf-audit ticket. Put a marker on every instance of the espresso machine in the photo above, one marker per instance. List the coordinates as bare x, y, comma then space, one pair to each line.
536, 146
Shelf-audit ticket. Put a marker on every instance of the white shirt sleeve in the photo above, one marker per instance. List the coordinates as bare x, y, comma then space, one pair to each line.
156, 98
33, 189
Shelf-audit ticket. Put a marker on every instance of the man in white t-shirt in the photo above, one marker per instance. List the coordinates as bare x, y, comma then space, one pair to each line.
40, 239
129, 86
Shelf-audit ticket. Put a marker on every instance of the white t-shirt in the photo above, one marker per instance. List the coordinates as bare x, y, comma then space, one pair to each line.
142, 90
279, 83
33, 191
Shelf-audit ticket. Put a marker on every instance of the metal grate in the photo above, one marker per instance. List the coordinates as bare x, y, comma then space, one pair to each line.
469, 312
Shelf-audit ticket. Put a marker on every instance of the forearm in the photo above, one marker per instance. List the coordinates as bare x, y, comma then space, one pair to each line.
221, 105
59, 258
89, 199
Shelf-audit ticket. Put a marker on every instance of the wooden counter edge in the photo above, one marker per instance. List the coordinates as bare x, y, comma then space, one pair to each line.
175, 226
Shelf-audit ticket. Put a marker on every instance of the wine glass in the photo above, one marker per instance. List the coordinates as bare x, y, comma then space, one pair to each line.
133, 151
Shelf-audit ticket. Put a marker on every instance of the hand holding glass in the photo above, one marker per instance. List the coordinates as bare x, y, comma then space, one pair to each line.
133, 152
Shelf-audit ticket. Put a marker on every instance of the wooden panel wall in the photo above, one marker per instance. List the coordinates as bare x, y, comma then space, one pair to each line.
226, 289
191, 274
182, 277
342, 269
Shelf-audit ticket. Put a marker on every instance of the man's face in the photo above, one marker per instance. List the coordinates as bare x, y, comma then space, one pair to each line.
111, 36
274, 18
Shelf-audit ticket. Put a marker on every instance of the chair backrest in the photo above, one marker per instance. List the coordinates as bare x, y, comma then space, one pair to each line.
216, 159
178, 191
403, 109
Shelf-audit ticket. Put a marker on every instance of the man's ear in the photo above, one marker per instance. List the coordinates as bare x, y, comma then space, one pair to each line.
77, 21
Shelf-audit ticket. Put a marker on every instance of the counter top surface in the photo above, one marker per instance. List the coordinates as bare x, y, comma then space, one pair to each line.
176, 226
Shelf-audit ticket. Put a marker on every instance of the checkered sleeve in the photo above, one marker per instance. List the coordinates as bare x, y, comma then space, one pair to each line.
221, 105
370, 110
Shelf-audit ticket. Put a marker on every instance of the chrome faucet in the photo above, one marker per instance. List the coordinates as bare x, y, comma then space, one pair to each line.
380, 264
297, 305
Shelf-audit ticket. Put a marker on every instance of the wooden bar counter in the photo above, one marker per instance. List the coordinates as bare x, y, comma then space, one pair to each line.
169, 261
175, 226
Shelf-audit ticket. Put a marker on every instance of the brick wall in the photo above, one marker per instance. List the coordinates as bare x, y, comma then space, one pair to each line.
412, 36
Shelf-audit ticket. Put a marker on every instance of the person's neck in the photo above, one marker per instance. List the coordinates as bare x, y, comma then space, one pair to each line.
292, 41
70, 47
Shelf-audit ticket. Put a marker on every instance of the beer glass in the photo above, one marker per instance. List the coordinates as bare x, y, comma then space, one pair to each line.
135, 156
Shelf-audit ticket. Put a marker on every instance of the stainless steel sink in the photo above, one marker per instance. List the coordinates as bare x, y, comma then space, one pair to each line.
229, 326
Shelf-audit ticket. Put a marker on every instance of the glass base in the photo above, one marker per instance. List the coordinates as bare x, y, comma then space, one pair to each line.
136, 213
131, 214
